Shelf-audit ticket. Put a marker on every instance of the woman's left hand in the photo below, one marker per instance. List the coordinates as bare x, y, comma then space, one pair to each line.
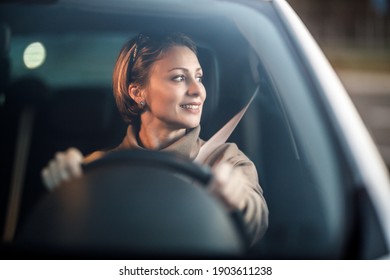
227, 187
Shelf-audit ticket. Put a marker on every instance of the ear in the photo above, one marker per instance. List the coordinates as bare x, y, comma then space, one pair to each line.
135, 93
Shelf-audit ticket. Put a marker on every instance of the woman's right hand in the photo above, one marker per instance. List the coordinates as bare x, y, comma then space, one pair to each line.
64, 166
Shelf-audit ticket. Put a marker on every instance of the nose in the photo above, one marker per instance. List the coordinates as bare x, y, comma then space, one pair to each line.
196, 88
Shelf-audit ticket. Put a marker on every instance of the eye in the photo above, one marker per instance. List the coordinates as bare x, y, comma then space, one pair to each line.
178, 78
199, 79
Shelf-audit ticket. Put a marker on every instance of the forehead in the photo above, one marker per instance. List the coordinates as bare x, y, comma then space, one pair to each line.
178, 56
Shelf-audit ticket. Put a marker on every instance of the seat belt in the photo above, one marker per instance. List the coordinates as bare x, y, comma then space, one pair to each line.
223, 134
25, 126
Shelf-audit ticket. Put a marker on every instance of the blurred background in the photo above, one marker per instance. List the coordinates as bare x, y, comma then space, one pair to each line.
355, 36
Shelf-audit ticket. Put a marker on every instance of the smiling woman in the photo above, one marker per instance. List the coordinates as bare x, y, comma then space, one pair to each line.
173, 96
156, 76
158, 88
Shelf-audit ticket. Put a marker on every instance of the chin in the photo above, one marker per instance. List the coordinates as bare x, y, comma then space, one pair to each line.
190, 123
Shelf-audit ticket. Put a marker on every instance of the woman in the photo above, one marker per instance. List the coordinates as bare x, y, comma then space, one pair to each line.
157, 83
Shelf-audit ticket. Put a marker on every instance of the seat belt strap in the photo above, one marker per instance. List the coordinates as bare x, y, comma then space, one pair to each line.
221, 136
25, 126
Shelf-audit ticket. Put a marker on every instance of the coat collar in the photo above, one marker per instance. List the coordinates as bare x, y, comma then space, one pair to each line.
188, 146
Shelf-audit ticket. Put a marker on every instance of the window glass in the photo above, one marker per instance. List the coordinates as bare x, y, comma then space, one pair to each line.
70, 59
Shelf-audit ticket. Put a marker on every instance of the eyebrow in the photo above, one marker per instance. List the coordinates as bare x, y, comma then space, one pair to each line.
184, 69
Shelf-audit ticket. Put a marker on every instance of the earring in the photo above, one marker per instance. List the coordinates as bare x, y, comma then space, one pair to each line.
142, 103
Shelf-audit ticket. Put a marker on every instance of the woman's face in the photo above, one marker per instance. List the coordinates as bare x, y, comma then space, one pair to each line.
175, 93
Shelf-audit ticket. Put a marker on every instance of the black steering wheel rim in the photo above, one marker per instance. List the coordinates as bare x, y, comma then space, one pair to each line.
164, 160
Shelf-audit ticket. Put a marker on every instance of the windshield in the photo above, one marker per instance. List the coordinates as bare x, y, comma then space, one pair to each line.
241, 47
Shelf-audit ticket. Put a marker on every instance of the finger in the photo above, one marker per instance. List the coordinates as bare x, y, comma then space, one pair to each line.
74, 159
223, 172
221, 176
61, 164
234, 189
53, 170
234, 194
226, 186
47, 179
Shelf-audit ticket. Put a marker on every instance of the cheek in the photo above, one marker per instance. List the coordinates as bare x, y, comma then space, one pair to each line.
161, 95
163, 99
171, 94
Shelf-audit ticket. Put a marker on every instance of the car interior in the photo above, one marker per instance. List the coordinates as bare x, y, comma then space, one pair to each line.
68, 102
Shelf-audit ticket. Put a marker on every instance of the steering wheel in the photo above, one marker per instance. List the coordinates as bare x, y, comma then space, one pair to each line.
134, 203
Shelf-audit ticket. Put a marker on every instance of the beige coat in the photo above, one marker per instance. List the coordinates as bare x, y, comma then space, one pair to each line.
255, 212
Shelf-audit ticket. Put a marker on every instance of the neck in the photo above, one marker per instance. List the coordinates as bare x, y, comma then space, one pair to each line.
157, 138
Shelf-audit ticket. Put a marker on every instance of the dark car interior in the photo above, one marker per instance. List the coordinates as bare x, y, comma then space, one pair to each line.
41, 116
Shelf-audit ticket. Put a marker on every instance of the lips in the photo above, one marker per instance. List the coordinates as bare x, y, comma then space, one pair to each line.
193, 107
